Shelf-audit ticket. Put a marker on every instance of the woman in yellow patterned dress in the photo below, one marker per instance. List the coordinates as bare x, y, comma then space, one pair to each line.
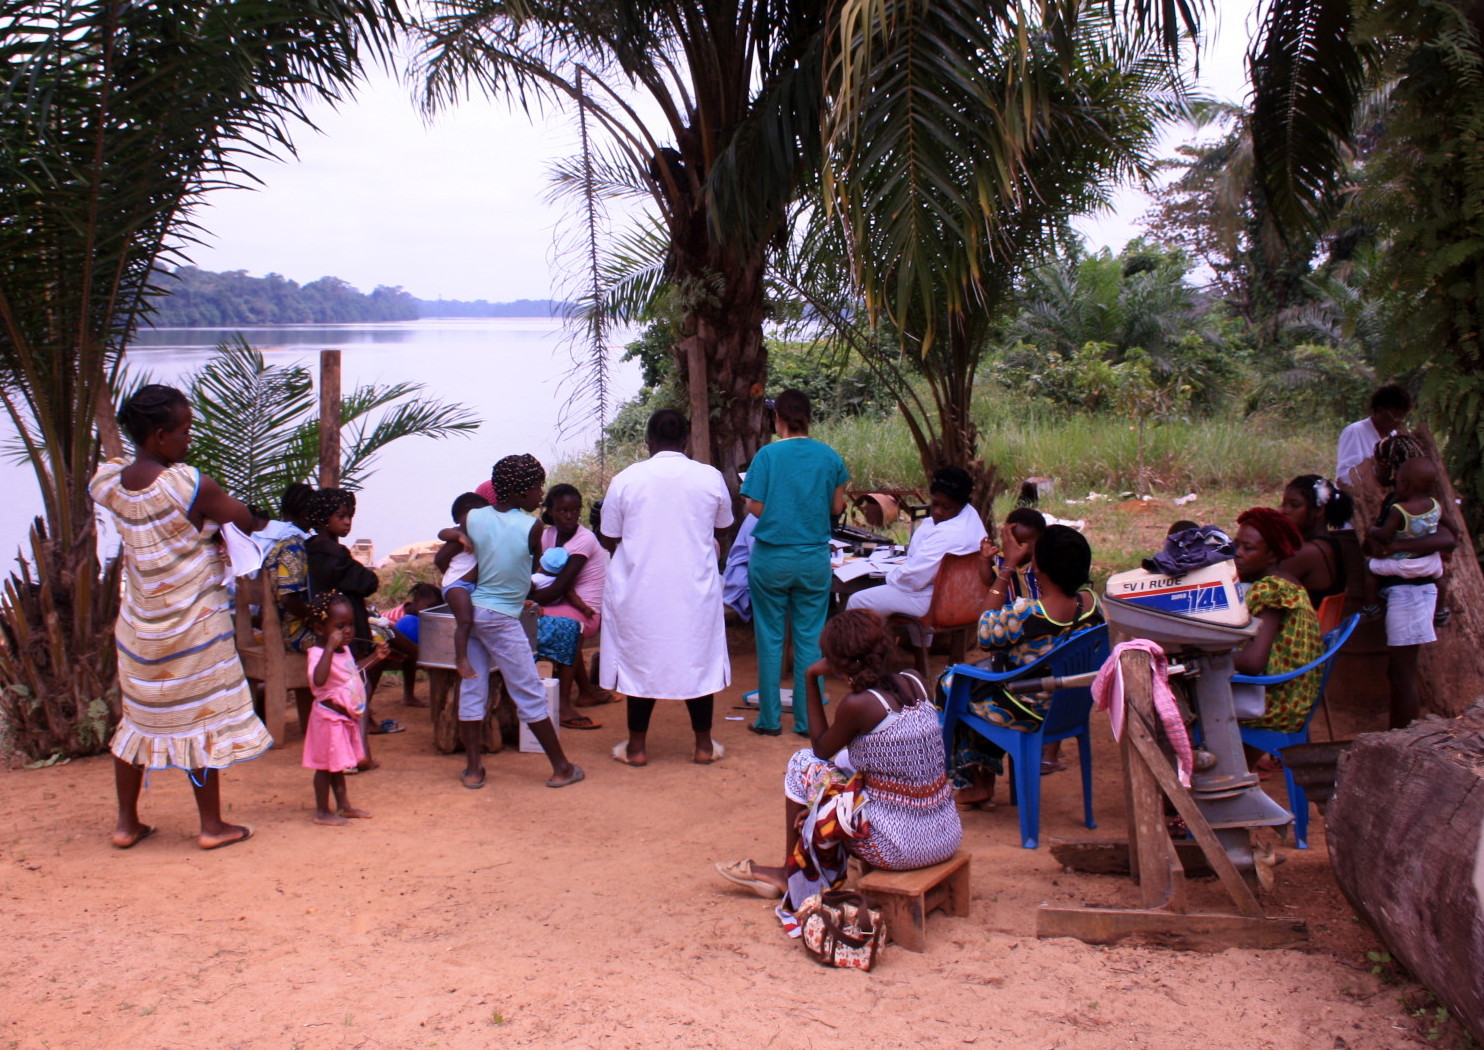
1287, 630
186, 703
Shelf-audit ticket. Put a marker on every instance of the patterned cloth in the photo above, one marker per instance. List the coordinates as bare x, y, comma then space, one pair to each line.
288, 567
885, 800
186, 703
1298, 642
556, 639
1017, 635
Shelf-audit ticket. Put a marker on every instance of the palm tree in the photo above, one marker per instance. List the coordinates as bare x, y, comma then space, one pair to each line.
737, 90
257, 428
115, 118
947, 187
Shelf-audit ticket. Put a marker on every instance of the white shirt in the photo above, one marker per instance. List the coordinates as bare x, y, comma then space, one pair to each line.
958, 535
1357, 444
664, 632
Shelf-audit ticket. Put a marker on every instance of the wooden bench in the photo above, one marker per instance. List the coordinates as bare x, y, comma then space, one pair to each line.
907, 897
265, 660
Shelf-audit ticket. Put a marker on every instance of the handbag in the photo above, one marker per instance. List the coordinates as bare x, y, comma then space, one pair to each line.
841, 928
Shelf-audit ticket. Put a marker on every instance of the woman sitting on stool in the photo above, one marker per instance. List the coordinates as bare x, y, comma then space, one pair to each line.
884, 748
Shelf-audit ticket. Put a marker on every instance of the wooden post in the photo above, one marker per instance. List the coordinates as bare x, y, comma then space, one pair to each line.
329, 418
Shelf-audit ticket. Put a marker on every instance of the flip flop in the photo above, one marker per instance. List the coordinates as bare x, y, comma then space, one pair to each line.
472, 785
605, 696
145, 831
246, 834
621, 754
718, 752
740, 873
1048, 767
580, 722
387, 726
576, 777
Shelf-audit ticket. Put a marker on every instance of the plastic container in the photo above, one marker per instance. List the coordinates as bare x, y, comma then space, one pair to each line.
528, 742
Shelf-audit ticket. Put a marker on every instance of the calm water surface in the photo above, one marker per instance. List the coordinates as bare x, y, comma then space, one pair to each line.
510, 371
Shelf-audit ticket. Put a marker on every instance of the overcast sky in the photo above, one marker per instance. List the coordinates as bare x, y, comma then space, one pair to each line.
457, 207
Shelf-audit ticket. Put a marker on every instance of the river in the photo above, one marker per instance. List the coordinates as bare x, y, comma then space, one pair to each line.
510, 371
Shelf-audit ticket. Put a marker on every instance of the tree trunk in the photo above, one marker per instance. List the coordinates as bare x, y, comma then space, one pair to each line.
1403, 831
726, 333
1450, 673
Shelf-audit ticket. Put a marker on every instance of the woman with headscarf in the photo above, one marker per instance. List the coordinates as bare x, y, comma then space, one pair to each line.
186, 703
1287, 632
953, 527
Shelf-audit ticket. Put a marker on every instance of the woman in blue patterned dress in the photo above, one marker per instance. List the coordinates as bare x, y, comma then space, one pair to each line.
1017, 634
873, 783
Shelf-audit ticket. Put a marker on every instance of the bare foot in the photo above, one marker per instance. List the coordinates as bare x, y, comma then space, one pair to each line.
228, 835
351, 811
332, 819
465, 668
127, 838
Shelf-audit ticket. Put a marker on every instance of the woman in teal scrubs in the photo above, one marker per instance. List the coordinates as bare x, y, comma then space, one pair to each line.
794, 486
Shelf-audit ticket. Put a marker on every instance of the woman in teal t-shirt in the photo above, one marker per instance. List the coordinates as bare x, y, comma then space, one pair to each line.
795, 486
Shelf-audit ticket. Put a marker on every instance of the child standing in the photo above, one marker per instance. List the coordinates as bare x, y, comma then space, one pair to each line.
333, 742
460, 577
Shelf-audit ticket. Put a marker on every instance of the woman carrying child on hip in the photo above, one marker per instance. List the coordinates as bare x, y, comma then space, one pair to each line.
1405, 548
333, 742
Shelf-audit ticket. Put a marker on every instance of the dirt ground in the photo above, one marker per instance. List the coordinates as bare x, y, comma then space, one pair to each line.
591, 917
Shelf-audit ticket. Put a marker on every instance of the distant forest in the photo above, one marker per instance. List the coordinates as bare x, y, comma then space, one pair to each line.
195, 298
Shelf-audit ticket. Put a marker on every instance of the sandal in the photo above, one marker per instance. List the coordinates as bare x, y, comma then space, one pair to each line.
740, 873
1048, 767
580, 722
385, 726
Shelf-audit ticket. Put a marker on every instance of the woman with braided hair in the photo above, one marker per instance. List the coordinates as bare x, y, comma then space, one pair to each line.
884, 751
1287, 630
186, 703
505, 540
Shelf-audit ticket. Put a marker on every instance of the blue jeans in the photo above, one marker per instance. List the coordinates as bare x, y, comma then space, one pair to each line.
500, 640
788, 585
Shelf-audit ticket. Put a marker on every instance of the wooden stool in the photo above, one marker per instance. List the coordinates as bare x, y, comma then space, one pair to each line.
906, 897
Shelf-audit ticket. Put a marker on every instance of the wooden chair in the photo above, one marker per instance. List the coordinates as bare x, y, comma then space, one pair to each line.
264, 659
959, 597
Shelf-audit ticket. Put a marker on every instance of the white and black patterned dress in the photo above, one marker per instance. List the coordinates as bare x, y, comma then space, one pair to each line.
913, 821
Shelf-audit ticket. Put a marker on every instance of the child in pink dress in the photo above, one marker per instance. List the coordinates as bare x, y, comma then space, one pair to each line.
332, 740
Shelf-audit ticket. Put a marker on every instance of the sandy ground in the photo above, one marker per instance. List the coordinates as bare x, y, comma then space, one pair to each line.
591, 917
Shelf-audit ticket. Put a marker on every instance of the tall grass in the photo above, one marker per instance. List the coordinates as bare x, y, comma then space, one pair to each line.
1082, 452
1096, 452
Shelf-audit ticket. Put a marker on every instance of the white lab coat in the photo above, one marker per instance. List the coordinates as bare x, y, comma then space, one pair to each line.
664, 633
909, 586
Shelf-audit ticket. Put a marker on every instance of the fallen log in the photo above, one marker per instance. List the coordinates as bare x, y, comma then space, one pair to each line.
1404, 829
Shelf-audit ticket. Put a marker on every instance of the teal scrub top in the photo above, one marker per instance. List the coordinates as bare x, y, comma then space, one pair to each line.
795, 481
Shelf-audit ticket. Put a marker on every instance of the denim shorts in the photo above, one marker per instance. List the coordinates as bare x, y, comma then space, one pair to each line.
1409, 612
467, 585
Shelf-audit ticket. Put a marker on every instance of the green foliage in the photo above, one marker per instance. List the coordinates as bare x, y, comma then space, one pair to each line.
115, 119
1138, 303
837, 385
1429, 179
1314, 383
193, 298
1084, 452
257, 431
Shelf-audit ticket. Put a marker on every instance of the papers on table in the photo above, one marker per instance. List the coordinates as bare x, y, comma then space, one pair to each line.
878, 564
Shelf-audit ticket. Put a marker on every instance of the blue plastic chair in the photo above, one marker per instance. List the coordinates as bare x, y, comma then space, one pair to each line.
1066, 717
1272, 742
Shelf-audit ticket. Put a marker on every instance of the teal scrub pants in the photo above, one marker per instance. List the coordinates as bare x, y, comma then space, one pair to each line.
789, 584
